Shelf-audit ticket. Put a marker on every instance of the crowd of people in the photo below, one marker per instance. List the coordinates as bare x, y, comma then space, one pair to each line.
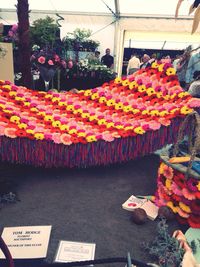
187, 66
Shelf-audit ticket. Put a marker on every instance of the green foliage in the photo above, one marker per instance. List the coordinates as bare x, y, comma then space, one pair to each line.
165, 248
78, 40
43, 32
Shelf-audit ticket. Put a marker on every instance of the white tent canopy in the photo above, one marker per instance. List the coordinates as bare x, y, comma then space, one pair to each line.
147, 23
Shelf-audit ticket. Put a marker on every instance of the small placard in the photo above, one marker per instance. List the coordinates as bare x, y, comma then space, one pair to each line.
26, 242
69, 251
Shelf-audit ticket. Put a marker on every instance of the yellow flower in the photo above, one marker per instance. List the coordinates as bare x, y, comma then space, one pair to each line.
64, 127
87, 92
184, 207
22, 125
2, 106
27, 104
102, 99
198, 186
85, 115
170, 71
139, 130
34, 109
161, 168
118, 106
110, 124
39, 136
54, 99
166, 97
118, 80
133, 85
119, 126
127, 108
142, 88
186, 110
150, 91
171, 206
7, 111
72, 131
111, 102
159, 94
172, 111
91, 138
127, 128
7, 87
94, 96
12, 93
92, 117
30, 131
101, 121
56, 124
154, 65
125, 82
48, 96
160, 67
163, 113
70, 108
135, 110
182, 94
81, 134
168, 184
17, 98
62, 104
145, 112
48, 118
154, 112
41, 113
15, 119
173, 96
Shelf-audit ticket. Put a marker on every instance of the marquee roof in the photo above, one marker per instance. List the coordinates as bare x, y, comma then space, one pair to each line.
122, 7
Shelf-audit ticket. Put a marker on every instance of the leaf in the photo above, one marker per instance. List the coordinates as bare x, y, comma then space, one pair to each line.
177, 8
196, 19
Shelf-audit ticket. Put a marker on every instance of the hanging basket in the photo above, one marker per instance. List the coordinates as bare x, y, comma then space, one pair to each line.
178, 185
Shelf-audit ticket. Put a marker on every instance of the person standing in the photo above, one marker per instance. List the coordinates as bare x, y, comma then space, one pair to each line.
107, 59
145, 61
194, 88
133, 64
193, 65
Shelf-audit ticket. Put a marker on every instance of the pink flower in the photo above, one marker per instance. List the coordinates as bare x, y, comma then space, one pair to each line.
168, 172
10, 132
50, 62
56, 138
66, 139
107, 137
41, 60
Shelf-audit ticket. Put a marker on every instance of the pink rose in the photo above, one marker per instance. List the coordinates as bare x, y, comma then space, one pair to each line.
41, 60
50, 62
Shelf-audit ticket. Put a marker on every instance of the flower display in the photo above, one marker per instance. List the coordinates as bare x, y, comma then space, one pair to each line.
47, 58
180, 195
124, 107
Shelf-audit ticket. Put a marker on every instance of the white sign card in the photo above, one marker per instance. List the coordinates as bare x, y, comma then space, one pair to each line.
69, 251
27, 242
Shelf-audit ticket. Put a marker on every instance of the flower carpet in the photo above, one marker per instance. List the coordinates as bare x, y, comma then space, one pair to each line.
118, 121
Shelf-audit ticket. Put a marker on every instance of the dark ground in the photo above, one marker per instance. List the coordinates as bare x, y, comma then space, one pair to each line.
84, 205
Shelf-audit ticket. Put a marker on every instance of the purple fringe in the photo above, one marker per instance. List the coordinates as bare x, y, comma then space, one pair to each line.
47, 154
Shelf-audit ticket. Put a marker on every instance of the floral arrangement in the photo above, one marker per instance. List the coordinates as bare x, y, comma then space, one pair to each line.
180, 195
89, 68
142, 102
12, 34
47, 58
165, 248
